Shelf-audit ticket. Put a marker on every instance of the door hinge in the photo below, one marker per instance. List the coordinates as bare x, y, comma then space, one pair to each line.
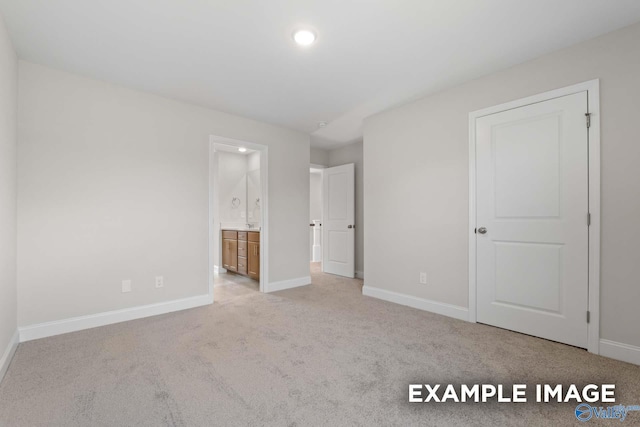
588, 316
589, 219
475, 230
588, 116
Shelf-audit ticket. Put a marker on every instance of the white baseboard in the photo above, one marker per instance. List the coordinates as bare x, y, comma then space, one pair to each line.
619, 351
5, 361
360, 274
287, 284
217, 269
48, 329
444, 309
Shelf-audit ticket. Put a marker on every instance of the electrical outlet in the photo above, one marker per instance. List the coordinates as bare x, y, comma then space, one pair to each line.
423, 278
159, 282
126, 286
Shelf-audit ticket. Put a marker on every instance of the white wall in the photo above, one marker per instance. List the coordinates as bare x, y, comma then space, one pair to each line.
113, 184
8, 109
416, 180
353, 153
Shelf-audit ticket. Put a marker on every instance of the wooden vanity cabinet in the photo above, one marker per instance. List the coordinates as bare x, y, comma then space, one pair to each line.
241, 252
230, 250
253, 249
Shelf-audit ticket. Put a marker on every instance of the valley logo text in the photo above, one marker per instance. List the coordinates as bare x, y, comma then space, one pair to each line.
516, 393
584, 412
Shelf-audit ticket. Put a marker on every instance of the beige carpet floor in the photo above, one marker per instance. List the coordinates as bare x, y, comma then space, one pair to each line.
318, 355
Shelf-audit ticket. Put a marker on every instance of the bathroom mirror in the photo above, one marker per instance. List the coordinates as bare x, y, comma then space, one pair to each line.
253, 197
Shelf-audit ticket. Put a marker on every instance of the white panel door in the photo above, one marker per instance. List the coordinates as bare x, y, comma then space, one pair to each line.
338, 225
532, 206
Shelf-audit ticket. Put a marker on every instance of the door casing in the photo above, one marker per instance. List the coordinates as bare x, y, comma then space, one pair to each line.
592, 88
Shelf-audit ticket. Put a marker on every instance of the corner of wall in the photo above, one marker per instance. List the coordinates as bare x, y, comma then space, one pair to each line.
74, 324
8, 198
444, 309
620, 351
318, 156
287, 284
7, 356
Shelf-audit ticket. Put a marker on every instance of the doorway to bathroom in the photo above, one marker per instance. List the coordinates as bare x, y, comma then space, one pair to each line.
238, 226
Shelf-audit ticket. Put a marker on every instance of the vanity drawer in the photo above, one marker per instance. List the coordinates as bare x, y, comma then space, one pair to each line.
242, 235
242, 264
227, 234
242, 248
254, 236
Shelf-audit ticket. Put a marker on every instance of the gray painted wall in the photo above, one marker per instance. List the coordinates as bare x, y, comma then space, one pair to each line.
8, 111
318, 156
113, 184
416, 181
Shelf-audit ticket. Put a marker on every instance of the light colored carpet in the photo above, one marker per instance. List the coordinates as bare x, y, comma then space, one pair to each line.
318, 355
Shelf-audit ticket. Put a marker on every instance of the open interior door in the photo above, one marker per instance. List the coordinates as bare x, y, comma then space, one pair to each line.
338, 228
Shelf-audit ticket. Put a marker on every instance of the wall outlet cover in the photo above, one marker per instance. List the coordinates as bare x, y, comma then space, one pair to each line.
159, 282
423, 278
126, 286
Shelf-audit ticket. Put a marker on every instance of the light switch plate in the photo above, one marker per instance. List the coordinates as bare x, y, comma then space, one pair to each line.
126, 286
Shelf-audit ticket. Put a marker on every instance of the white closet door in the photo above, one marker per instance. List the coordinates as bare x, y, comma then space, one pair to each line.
532, 207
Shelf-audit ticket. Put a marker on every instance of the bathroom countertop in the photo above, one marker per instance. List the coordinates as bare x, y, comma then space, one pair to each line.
256, 229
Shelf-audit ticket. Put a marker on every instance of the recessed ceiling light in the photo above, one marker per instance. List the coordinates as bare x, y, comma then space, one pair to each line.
304, 37
322, 124
242, 149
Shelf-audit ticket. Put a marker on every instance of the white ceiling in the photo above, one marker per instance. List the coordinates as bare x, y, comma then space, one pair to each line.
238, 55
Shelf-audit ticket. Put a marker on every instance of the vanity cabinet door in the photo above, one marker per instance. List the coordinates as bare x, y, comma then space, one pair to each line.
253, 260
230, 254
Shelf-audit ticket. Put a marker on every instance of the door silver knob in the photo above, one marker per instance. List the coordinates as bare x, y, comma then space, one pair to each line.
482, 230
349, 226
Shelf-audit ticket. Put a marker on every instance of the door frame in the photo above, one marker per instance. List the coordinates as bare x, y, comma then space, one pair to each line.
264, 209
592, 88
321, 168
